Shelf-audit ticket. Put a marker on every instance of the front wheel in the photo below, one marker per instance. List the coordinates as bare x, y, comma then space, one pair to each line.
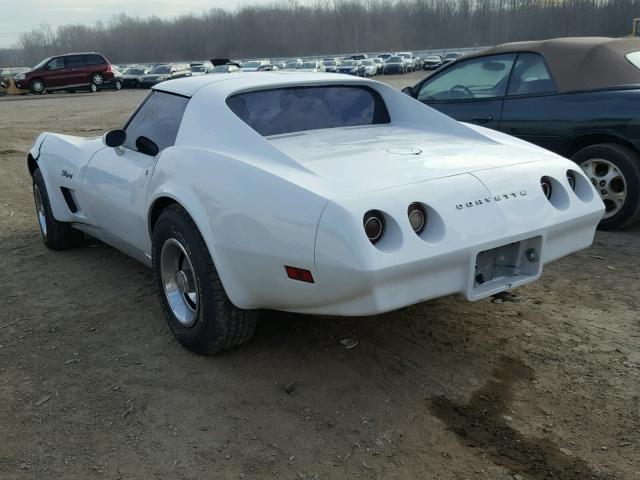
37, 86
614, 171
194, 302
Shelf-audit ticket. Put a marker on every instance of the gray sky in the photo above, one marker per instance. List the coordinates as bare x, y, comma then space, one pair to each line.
17, 16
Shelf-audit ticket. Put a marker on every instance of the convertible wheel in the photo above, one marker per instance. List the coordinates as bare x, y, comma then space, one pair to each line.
614, 171
194, 302
55, 235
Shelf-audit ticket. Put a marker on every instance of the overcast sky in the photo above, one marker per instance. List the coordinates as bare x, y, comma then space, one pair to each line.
17, 16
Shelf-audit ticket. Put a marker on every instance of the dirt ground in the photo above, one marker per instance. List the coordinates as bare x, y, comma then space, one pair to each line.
543, 385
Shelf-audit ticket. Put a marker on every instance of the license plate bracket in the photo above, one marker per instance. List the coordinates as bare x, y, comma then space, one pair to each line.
507, 266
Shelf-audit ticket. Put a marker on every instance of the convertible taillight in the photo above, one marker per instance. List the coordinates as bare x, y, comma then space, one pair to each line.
417, 217
373, 222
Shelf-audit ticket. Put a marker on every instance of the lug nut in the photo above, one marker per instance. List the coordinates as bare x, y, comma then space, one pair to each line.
593, 180
532, 255
602, 183
603, 191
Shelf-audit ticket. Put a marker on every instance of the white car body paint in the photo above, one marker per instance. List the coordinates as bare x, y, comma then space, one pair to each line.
298, 199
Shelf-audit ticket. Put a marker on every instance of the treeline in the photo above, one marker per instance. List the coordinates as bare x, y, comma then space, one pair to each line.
328, 26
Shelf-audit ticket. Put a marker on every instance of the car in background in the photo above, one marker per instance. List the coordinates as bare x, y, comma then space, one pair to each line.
63, 72
132, 75
330, 65
291, 66
450, 57
385, 56
379, 64
314, 66
352, 67
408, 60
370, 68
432, 62
201, 69
395, 65
268, 68
228, 68
548, 93
162, 73
358, 56
254, 65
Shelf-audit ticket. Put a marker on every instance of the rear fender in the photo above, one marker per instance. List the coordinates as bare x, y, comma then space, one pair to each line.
253, 222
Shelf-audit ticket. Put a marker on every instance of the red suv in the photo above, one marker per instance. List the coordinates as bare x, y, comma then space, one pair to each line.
73, 71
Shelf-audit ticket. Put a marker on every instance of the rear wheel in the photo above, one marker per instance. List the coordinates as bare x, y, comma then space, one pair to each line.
199, 313
614, 171
55, 235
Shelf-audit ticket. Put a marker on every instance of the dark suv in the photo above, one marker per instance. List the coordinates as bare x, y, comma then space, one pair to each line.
67, 72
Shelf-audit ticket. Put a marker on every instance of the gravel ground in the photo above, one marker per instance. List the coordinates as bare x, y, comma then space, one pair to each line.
543, 384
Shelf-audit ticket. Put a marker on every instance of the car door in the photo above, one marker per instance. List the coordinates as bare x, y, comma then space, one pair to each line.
116, 180
470, 90
76, 66
56, 73
532, 109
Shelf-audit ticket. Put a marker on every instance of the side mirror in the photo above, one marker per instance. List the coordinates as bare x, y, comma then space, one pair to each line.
408, 91
147, 146
114, 138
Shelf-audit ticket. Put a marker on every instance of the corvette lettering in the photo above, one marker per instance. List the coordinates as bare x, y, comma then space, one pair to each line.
495, 198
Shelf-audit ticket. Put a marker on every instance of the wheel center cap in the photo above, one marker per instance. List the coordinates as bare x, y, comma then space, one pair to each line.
182, 280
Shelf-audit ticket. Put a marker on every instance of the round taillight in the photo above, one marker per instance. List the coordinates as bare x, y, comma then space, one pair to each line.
545, 183
373, 222
571, 178
417, 217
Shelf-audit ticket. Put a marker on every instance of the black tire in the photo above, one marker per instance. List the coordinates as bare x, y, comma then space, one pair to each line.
118, 85
219, 325
627, 161
97, 79
37, 86
56, 235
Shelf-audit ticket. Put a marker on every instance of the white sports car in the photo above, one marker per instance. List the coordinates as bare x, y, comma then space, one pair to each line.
308, 193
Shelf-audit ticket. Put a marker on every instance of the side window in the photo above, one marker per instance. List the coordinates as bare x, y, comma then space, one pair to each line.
95, 60
158, 119
484, 77
531, 76
74, 61
56, 64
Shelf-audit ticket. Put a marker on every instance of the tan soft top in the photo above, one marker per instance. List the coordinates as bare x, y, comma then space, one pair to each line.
581, 63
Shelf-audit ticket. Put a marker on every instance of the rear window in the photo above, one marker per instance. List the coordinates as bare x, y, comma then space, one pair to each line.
634, 58
287, 110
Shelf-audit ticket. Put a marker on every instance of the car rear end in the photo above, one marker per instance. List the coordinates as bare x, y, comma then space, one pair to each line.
475, 234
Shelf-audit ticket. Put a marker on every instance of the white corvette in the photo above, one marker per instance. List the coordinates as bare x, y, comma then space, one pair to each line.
308, 193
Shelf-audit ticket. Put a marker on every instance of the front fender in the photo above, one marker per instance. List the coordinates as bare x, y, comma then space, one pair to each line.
254, 222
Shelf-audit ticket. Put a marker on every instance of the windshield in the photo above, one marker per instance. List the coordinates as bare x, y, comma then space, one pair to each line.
329, 62
198, 69
394, 60
133, 71
251, 65
433, 59
161, 69
451, 55
634, 58
307, 66
349, 63
291, 65
367, 62
42, 63
220, 68
286, 110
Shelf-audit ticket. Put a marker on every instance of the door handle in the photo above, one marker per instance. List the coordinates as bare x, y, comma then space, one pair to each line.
482, 120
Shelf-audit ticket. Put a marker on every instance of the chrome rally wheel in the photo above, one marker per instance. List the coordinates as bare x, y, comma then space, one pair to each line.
42, 218
179, 282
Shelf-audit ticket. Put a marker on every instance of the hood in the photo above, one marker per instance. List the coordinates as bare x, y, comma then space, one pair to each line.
356, 160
